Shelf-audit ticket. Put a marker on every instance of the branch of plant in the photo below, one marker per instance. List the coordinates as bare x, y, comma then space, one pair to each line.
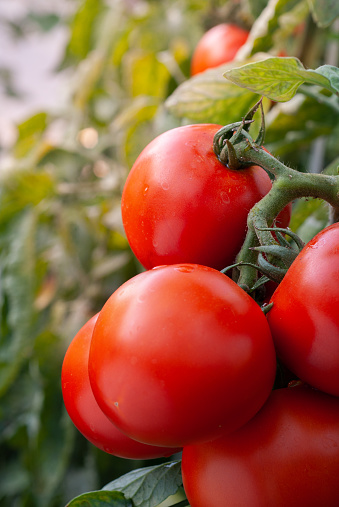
288, 185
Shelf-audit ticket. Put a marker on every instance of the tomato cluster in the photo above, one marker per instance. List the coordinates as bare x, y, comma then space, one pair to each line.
181, 357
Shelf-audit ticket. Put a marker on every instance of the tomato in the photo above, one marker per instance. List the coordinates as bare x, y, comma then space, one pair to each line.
218, 45
286, 456
304, 319
84, 410
180, 354
181, 204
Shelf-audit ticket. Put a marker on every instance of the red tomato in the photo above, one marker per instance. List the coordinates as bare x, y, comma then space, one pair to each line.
218, 45
84, 410
181, 204
304, 319
286, 456
179, 354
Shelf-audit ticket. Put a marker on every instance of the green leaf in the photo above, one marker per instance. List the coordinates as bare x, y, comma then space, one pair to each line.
333, 167
274, 26
145, 74
324, 11
81, 41
208, 98
100, 499
22, 188
13, 479
257, 6
331, 73
29, 133
45, 21
309, 217
67, 164
134, 119
302, 210
17, 260
149, 486
276, 78
53, 443
286, 135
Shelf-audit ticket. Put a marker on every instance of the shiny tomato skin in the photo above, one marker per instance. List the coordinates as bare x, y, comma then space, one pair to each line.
84, 410
180, 354
286, 456
218, 45
304, 319
181, 204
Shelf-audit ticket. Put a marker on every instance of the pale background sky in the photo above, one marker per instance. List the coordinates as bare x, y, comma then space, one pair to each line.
31, 60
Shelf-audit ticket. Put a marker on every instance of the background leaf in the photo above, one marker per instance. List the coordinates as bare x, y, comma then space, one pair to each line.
309, 217
324, 12
83, 28
209, 98
275, 28
29, 133
285, 135
332, 74
149, 486
18, 259
257, 6
100, 499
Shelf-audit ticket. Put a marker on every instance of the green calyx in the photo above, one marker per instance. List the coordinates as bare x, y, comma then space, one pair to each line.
227, 137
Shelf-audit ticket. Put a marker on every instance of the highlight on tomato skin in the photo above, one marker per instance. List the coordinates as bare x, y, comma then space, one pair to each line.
287, 455
181, 204
180, 354
84, 410
218, 45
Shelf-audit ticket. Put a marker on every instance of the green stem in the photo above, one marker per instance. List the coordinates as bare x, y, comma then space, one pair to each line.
289, 184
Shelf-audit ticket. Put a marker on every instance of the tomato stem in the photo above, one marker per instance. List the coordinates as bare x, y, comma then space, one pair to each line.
288, 185
241, 151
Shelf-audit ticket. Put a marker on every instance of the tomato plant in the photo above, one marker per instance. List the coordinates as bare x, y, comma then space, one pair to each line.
180, 354
181, 204
287, 455
62, 248
218, 45
304, 319
84, 410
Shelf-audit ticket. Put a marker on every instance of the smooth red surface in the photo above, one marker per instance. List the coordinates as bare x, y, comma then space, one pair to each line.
181, 354
181, 204
286, 456
84, 410
218, 45
305, 319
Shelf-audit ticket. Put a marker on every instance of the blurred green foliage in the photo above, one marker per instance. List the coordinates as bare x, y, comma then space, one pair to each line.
62, 245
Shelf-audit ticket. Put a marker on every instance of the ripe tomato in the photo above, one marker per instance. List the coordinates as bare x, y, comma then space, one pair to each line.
179, 354
84, 410
286, 456
218, 45
304, 319
181, 204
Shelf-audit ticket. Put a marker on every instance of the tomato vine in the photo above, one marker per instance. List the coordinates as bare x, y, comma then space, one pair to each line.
240, 150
